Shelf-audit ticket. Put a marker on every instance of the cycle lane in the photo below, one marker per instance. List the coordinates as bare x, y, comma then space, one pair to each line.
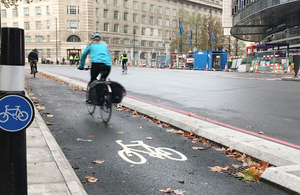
157, 164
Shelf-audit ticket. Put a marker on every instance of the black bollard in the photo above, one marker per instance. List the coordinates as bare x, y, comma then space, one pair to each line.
16, 114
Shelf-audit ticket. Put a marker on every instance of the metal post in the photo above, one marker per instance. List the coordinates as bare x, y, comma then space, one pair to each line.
13, 165
134, 46
56, 39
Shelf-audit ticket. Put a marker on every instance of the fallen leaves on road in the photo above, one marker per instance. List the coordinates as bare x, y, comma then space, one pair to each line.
181, 181
168, 190
219, 169
179, 192
50, 115
155, 121
149, 138
260, 132
91, 179
98, 161
197, 148
49, 123
134, 113
39, 107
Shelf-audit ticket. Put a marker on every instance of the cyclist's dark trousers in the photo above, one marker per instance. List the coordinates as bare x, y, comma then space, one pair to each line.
97, 68
123, 63
33, 62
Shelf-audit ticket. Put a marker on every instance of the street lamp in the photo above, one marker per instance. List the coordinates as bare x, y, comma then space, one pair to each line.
134, 45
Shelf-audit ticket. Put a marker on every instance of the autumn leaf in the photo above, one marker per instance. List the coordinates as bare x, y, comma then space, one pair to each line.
235, 166
179, 132
216, 168
179, 192
165, 125
226, 168
197, 148
50, 115
149, 138
290, 120
134, 113
260, 132
170, 130
181, 181
220, 149
98, 161
91, 179
39, 107
92, 136
49, 123
168, 190
194, 141
155, 121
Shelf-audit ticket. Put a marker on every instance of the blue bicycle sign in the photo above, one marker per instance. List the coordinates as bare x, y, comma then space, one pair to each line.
16, 112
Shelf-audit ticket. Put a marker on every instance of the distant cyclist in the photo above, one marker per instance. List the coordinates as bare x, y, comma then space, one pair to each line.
33, 58
100, 57
123, 59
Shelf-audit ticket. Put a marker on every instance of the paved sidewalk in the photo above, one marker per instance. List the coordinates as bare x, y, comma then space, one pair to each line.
49, 172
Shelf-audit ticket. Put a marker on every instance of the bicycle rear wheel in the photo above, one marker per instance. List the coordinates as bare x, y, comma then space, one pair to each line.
34, 70
90, 107
105, 109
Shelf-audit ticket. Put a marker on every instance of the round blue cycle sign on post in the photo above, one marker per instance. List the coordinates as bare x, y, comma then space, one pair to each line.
16, 112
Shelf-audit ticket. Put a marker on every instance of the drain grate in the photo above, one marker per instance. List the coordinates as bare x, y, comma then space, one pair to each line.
233, 171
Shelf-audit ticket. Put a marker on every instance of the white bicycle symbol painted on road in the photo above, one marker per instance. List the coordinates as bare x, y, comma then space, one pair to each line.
16, 113
133, 155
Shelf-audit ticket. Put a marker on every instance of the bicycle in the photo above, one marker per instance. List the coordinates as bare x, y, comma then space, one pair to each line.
17, 114
124, 71
34, 68
105, 106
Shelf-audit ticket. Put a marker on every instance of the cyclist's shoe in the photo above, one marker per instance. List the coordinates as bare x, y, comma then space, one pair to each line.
31, 73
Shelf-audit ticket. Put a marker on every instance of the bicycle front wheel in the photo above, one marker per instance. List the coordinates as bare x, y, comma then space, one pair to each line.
171, 154
90, 107
105, 109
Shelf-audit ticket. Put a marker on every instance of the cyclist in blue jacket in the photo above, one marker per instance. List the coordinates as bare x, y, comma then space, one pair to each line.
100, 57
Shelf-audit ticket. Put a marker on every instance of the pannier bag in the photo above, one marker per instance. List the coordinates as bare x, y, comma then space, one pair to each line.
118, 92
97, 91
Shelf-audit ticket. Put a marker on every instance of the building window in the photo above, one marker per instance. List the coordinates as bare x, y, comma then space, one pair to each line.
126, 27
144, 7
174, 24
48, 24
15, 24
105, 13
134, 5
73, 38
72, 10
134, 30
104, 1
26, 11
3, 13
47, 10
73, 24
167, 23
116, 3
38, 25
159, 44
152, 8
48, 38
97, 12
151, 32
106, 40
38, 11
135, 42
38, 38
174, 12
152, 20
143, 31
26, 26
151, 43
167, 11
125, 16
135, 18
143, 43
126, 3
116, 41
159, 9
126, 42
3, 24
27, 39
116, 28
97, 25
106, 27
116, 15
15, 12
48, 53
159, 33
159, 21
144, 19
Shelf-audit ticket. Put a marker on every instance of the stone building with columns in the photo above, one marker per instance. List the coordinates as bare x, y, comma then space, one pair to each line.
60, 28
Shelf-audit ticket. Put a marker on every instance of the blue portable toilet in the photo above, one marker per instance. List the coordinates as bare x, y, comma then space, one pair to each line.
216, 60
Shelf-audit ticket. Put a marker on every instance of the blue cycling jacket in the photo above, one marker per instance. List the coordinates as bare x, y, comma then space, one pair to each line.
98, 52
